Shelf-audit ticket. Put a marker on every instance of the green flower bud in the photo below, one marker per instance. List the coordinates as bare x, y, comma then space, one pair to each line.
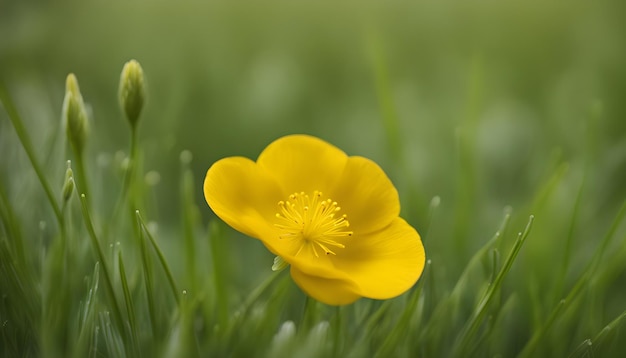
68, 185
132, 91
75, 115
68, 189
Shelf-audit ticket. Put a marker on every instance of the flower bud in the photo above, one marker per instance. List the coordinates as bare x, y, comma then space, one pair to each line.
75, 115
68, 185
132, 91
68, 189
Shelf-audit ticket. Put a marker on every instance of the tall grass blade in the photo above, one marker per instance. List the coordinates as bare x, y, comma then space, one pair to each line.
540, 334
477, 318
108, 279
148, 278
130, 308
15, 118
219, 271
161, 257
189, 213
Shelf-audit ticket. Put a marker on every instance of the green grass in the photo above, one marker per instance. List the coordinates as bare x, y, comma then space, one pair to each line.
505, 141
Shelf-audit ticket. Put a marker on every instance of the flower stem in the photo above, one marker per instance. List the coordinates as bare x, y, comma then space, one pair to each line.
82, 176
132, 167
127, 184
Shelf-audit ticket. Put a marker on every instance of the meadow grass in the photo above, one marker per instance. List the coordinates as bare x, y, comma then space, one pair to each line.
115, 294
92, 265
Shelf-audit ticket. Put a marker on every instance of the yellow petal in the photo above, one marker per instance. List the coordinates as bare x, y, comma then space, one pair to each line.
321, 267
366, 195
303, 163
330, 291
386, 263
242, 195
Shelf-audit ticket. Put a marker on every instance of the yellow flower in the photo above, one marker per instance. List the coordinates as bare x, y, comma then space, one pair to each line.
334, 219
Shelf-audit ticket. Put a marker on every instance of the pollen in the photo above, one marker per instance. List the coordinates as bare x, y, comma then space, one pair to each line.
313, 221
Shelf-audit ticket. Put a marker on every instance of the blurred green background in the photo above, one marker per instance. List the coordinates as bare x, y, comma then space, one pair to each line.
477, 102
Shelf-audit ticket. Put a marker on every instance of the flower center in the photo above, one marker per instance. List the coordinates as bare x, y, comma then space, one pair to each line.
314, 222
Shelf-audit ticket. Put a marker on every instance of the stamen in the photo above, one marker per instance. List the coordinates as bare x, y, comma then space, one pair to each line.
313, 222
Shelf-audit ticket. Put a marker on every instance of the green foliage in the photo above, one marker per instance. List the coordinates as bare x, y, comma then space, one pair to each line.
469, 108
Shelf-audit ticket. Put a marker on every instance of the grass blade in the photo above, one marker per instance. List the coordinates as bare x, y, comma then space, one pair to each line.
117, 312
148, 277
162, 261
130, 308
540, 334
15, 118
477, 317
